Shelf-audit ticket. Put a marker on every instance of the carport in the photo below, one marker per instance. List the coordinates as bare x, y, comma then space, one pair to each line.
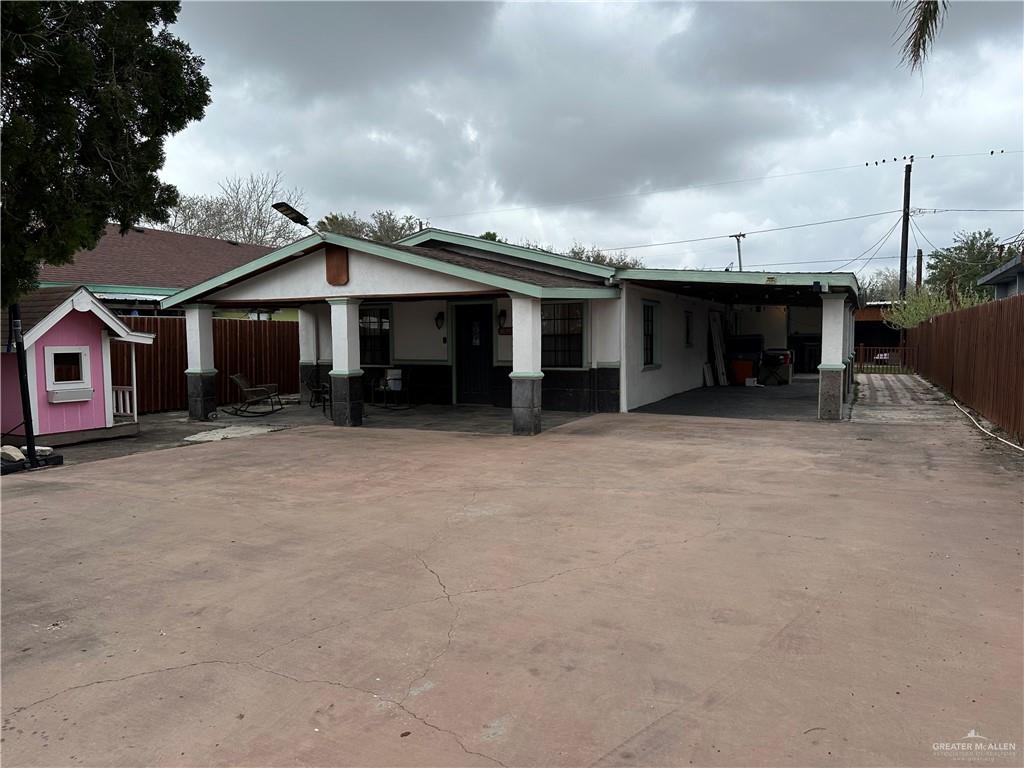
809, 314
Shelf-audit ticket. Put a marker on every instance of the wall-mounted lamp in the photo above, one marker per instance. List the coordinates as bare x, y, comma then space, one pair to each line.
439, 320
502, 318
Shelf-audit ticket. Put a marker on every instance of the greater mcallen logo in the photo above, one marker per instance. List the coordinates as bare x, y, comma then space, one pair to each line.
974, 746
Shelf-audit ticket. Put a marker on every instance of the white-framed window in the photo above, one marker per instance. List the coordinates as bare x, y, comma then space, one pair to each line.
561, 334
67, 368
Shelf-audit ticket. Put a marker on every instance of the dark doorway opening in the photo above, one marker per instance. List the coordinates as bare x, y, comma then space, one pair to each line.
474, 354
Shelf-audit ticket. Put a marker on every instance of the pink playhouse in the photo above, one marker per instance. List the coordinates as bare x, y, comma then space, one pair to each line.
68, 338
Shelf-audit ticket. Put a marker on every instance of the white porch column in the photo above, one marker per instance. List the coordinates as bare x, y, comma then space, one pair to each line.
832, 370
308, 371
346, 375
850, 328
200, 374
526, 363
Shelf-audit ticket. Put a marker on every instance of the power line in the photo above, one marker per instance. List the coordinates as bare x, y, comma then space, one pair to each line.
880, 246
927, 211
751, 232
921, 232
879, 242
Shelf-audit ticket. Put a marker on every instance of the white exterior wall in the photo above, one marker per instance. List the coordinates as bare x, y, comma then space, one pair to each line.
415, 334
681, 367
503, 344
322, 312
369, 276
805, 320
605, 347
771, 322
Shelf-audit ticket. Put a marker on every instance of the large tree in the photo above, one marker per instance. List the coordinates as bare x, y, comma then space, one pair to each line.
383, 226
954, 271
242, 212
90, 91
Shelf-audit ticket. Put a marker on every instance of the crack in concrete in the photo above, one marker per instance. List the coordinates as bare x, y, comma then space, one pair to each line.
266, 670
69, 689
451, 632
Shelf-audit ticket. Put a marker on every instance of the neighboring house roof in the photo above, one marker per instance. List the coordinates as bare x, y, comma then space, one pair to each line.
442, 237
505, 276
44, 308
1005, 273
150, 261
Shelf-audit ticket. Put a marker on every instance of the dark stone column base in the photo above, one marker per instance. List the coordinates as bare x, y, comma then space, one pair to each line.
830, 393
526, 399
202, 395
347, 400
305, 370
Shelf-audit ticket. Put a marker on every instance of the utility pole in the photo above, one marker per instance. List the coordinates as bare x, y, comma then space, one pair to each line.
906, 227
920, 269
739, 252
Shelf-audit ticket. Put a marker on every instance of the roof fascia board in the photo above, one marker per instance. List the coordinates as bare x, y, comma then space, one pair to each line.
807, 279
600, 292
1003, 272
507, 249
99, 288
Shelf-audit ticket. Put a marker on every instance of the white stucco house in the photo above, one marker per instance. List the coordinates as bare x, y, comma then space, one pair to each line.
469, 320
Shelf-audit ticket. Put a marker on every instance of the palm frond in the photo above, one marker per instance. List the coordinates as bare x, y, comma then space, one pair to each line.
922, 21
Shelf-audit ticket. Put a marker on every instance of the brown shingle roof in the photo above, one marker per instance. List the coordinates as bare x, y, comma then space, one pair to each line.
34, 307
152, 258
497, 266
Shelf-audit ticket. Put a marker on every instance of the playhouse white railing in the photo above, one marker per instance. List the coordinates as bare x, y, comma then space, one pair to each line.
124, 401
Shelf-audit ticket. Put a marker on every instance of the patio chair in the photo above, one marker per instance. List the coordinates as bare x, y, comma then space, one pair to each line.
259, 400
392, 389
315, 386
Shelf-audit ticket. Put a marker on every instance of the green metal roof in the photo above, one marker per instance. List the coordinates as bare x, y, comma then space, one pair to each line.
127, 289
846, 280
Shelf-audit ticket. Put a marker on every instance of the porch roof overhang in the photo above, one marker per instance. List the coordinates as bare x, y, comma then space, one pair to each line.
786, 288
1004, 273
495, 275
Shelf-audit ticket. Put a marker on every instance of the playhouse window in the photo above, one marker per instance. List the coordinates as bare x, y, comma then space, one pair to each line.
67, 368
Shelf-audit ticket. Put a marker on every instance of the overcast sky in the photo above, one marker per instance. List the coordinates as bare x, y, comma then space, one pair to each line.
443, 109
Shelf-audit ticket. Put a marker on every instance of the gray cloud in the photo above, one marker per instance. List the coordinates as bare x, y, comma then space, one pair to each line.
448, 108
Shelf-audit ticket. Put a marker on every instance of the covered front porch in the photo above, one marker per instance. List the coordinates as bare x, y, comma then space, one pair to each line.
416, 329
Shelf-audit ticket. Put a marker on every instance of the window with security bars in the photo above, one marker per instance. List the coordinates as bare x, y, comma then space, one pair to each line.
562, 335
648, 334
375, 335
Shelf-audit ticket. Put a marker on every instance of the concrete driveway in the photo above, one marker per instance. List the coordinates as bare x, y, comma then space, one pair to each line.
623, 590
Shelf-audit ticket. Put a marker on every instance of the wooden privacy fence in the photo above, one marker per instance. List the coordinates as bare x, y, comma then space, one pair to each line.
977, 356
267, 351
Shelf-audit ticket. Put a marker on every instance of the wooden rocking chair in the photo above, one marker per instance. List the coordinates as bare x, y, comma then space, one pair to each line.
259, 400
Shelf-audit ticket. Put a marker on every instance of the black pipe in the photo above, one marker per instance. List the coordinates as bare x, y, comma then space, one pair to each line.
14, 313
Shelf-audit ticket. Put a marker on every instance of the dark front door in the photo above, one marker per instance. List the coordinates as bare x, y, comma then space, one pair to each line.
473, 353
